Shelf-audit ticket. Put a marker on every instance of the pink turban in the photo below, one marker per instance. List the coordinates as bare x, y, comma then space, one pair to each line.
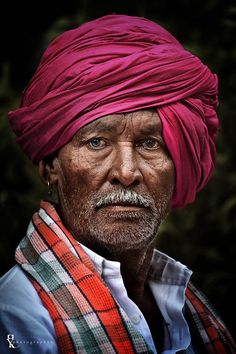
117, 64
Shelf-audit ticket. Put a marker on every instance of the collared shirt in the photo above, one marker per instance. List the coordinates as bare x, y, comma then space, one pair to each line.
26, 324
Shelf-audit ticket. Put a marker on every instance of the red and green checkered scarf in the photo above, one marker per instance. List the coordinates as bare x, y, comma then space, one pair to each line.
86, 317
208, 330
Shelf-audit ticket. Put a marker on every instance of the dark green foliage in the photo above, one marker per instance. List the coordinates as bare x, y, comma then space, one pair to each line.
202, 235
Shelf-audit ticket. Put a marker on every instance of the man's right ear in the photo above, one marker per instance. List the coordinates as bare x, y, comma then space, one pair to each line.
48, 172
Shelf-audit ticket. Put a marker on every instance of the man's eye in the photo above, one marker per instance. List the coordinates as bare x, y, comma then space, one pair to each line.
150, 144
96, 143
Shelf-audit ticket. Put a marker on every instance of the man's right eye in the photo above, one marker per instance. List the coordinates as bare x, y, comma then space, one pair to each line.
96, 143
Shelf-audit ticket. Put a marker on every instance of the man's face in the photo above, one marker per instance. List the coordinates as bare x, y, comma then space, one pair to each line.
115, 181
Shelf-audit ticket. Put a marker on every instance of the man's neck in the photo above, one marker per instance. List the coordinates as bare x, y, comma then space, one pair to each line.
135, 265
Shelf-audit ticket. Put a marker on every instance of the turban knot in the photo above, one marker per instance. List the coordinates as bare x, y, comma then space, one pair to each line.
118, 64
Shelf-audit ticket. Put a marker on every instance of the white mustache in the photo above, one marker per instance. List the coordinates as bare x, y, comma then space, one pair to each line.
124, 197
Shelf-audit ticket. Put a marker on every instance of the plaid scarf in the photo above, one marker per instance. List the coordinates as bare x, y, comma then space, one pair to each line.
208, 330
86, 317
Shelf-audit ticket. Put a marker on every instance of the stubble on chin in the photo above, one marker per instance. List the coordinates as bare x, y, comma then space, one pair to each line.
101, 230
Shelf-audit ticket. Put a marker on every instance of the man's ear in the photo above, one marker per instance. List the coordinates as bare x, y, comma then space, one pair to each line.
48, 172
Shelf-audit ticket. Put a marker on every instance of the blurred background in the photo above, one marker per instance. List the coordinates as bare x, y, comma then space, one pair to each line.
203, 235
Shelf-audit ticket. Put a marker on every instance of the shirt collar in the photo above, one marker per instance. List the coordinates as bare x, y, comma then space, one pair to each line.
164, 269
167, 270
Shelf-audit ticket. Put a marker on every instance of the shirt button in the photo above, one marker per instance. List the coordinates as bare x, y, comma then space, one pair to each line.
136, 319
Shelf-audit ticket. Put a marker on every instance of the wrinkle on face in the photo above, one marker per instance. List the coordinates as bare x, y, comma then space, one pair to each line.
84, 175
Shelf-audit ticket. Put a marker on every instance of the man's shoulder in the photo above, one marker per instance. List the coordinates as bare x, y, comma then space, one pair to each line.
18, 296
23, 316
12, 274
15, 287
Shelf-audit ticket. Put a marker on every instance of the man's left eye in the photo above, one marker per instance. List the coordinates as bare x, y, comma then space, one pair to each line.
96, 143
150, 144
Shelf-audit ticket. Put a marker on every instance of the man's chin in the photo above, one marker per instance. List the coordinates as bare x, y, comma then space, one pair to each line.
122, 239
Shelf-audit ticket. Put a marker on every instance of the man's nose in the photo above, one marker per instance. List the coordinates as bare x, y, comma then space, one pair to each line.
125, 169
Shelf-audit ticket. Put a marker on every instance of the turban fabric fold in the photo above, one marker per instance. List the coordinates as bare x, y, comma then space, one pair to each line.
118, 64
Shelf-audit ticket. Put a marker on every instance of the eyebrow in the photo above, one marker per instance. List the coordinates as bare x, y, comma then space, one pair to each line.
98, 128
103, 127
152, 128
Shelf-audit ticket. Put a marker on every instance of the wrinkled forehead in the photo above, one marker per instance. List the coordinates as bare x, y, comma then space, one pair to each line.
144, 121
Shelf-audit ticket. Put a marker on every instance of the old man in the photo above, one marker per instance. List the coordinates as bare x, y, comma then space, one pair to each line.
122, 122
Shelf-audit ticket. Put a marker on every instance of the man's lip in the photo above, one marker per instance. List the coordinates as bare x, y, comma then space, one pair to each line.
123, 206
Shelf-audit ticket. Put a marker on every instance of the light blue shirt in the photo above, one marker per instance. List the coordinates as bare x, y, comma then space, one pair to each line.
26, 325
